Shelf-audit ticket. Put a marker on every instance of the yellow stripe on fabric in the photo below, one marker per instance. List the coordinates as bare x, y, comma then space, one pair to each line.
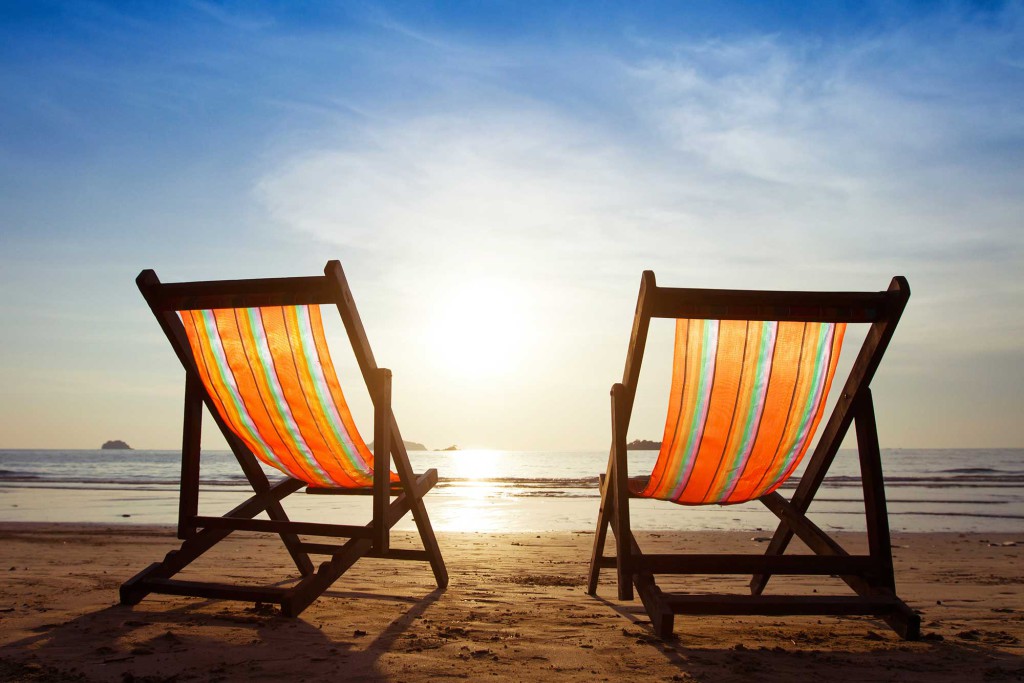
331, 452
267, 393
831, 351
744, 417
358, 460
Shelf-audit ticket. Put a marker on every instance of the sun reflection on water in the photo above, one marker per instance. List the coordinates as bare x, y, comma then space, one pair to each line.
476, 503
474, 464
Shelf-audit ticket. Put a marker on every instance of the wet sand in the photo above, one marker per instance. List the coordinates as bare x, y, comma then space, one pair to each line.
515, 610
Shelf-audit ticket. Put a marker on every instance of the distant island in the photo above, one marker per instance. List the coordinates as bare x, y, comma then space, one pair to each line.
409, 446
453, 447
643, 445
115, 445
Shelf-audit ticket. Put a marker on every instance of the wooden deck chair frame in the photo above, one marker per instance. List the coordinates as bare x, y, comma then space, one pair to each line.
870, 576
200, 533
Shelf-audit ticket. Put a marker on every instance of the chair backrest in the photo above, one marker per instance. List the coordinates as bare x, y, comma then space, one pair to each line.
258, 348
751, 375
745, 402
269, 372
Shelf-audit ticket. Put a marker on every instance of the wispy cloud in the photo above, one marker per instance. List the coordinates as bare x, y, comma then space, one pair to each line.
753, 150
543, 166
763, 161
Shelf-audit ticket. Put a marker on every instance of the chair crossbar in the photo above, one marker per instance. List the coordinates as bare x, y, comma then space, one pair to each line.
808, 532
772, 605
729, 304
394, 490
723, 563
282, 527
287, 291
391, 554
215, 591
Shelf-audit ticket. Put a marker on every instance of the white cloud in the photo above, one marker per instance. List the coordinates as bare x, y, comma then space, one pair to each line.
751, 163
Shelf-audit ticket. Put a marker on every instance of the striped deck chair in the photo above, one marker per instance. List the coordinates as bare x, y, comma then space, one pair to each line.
751, 374
255, 355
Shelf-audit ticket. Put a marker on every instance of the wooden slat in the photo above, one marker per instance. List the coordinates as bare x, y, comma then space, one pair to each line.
652, 597
279, 527
604, 515
216, 591
191, 436
396, 489
620, 495
285, 291
381, 458
630, 378
876, 513
748, 564
734, 304
771, 605
392, 553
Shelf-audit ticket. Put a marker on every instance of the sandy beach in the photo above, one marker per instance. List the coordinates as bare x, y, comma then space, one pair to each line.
515, 610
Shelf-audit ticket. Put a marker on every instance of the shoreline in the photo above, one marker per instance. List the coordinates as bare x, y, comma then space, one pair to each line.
485, 508
515, 610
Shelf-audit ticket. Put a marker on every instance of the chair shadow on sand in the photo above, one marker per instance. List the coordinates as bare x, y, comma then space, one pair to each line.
941, 660
256, 642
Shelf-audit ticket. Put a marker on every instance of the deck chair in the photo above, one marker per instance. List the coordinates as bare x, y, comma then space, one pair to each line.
255, 355
751, 373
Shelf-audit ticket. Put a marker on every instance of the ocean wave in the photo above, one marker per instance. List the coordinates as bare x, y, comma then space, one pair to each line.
971, 470
14, 475
997, 480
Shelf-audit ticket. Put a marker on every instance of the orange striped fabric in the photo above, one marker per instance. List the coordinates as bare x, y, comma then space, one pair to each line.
270, 375
746, 399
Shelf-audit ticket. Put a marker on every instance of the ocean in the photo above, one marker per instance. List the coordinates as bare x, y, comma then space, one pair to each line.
961, 490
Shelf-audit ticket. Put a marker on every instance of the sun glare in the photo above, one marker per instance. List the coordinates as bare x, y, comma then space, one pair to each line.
479, 506
473, 465
480, 329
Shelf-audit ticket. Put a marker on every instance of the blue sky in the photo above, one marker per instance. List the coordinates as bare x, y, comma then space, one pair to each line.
495, 176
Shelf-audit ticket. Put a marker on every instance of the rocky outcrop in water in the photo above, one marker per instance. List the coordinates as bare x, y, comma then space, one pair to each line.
115, 445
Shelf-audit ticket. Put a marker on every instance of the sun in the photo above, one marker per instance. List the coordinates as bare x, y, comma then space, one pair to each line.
480, 329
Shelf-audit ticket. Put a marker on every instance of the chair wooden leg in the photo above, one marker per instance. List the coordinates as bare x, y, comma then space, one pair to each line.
619, 488
661, 615
419, 511
904, 621
604, 518
876, 514
658, 610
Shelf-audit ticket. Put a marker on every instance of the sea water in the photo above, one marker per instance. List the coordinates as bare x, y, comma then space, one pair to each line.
492, 490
